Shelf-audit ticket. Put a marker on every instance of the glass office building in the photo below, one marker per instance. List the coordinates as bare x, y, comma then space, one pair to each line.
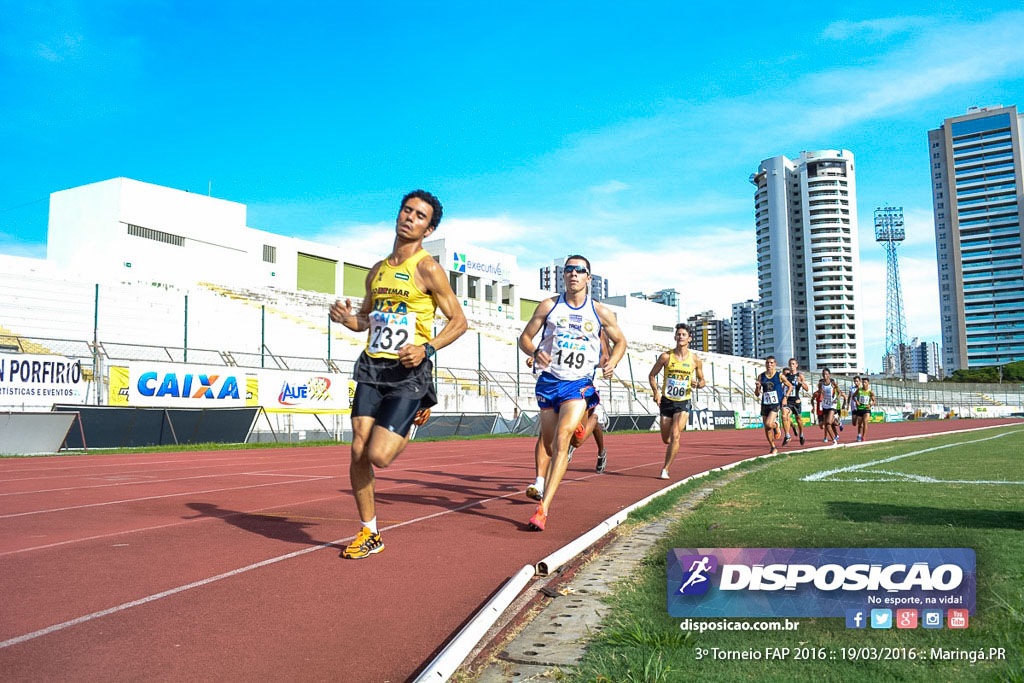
976, 184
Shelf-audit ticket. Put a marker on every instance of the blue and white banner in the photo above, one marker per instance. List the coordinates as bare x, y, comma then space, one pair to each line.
167, 385
816, 582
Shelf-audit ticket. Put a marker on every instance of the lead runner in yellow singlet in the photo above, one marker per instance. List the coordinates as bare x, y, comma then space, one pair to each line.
392, 375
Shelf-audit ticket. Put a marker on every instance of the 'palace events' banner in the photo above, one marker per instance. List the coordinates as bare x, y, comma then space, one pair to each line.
169, 385
39, 381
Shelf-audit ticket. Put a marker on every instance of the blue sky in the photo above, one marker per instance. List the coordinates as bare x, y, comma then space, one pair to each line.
627, 132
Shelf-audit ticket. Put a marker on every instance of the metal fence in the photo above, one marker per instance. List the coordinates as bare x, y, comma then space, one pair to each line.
484, 390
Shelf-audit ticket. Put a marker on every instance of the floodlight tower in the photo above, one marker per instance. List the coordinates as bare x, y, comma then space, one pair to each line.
889, 232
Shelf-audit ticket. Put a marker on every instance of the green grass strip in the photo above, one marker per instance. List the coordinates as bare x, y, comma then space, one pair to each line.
773, 507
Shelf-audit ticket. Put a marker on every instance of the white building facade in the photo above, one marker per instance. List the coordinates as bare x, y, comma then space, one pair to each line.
808, 260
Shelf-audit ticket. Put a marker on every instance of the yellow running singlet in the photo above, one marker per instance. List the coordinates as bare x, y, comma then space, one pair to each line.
401, 313
677, 377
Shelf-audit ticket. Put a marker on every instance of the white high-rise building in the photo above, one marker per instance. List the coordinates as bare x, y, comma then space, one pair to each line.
808, 260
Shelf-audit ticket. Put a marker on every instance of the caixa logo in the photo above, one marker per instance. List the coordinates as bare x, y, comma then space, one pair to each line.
187, 386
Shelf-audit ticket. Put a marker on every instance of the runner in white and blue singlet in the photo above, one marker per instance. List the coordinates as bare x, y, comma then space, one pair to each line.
568, 354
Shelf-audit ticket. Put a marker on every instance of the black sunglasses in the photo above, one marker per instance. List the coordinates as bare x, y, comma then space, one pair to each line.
582, 270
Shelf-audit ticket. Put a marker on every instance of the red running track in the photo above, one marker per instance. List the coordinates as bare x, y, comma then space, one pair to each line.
224, 565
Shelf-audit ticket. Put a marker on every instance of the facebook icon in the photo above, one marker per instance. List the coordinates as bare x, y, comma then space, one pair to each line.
856, 618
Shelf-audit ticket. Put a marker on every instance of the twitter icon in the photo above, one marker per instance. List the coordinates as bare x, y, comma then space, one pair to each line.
881, 618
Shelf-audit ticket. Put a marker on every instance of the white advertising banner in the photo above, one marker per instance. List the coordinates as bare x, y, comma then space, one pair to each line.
483, 263
39, 381
297, 391
171, 385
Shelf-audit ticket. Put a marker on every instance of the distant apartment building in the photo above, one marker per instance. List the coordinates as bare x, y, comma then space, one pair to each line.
551, 280
744, 329
708, 333
808, 261
923, 357
976, 178
918, 357
665, 297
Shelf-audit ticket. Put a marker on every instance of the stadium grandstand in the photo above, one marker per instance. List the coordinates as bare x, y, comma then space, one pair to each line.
127, 279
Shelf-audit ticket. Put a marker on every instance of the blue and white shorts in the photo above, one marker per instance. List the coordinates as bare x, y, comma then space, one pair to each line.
553, 392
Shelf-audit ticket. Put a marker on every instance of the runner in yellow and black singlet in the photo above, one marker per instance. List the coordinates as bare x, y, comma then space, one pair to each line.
682, 369
392, 375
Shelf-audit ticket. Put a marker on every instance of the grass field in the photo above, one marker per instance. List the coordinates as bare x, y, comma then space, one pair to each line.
843, 497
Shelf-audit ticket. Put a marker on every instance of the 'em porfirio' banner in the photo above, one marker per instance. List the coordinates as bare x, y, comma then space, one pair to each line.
167, 385
816, 582
291, 391
39, 381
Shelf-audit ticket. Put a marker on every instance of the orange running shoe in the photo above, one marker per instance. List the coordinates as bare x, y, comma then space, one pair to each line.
366, 543
539, 519
421, 417
581, 431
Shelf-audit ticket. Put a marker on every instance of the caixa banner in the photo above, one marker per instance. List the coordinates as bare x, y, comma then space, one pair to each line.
816, 582
167, 385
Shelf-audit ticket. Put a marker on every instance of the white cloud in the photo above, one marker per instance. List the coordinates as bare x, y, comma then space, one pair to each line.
611, 187
874, 30
937, 58
11, 246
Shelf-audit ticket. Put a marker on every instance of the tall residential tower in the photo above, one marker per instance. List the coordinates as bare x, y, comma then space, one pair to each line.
976, 190
808, 260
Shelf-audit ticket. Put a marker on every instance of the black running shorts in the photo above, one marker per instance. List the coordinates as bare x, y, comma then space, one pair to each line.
669, 408
769, 408
391, 393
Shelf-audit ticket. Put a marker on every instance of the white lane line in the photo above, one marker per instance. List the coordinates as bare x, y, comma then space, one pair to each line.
142, 482
821, 476
417, 465
245, 512
241, 570
169, 495
198, 464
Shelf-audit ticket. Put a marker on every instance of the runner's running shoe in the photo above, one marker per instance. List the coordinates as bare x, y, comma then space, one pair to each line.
785, 440
602, 416
366, 543
421, 416
571, 449
602, 460
539, 519
580, 431
533, 492
801, 439
664, 474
